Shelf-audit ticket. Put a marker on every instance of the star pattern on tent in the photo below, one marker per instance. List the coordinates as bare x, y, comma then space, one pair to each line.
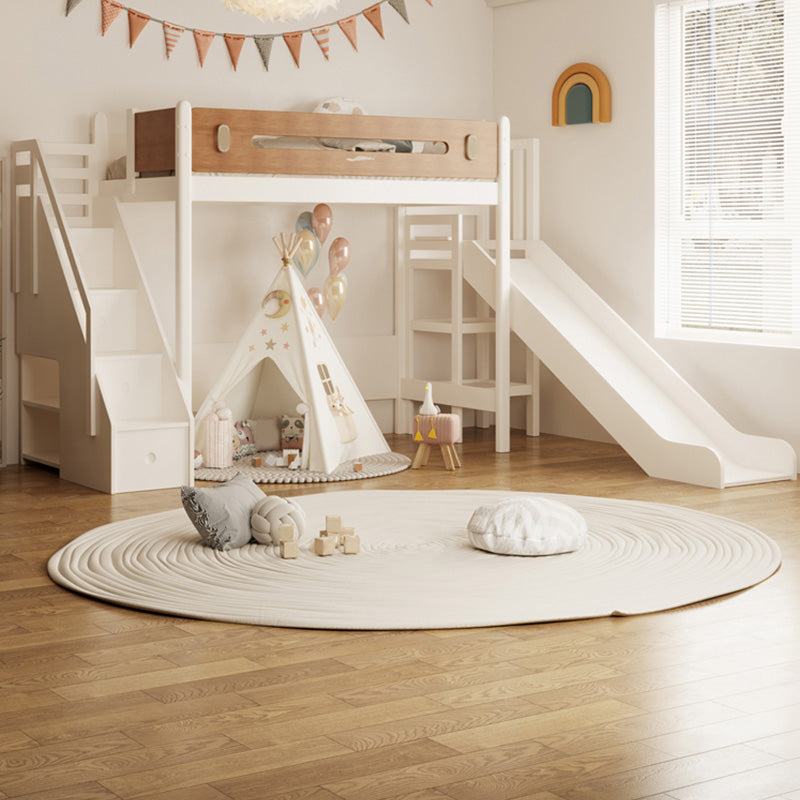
252, 347
270, 345
286, 345
263, 331
285, 327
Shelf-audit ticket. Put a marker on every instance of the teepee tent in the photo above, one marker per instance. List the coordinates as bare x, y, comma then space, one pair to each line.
286, 357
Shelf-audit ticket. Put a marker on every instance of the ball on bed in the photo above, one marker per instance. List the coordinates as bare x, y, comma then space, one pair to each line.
528, 526
339, 105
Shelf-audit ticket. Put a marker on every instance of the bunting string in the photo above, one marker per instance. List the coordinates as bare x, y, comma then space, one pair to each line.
321, 34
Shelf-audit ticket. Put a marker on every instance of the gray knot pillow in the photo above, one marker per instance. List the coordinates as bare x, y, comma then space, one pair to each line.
221, 514
527, 526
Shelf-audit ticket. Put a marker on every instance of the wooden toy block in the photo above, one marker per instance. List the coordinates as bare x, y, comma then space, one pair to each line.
324, 546
286, 533
256, 462
289, 549
347, 532
333, 523
358, 466
352, 544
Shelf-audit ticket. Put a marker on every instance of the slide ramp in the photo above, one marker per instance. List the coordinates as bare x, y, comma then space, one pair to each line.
649, 409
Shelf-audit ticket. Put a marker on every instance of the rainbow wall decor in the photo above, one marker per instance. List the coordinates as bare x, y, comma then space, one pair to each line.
581, 94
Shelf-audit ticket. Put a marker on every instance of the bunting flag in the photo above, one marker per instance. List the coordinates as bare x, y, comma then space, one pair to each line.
136, 24
323, 39
171, 35
373, 14
348, 28
234, 41
293, 41
400, 7
264, 45
203, 41
138, 21
110, 10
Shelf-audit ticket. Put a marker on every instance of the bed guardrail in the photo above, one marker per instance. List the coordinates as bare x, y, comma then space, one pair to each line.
223, 141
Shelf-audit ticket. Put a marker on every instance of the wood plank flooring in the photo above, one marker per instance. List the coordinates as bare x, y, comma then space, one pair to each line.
104, 703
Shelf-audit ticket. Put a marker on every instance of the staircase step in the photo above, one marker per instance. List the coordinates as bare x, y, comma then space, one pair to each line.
95, 249
114, 313
132, 386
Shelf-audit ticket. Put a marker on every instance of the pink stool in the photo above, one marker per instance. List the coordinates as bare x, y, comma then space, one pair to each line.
441, 429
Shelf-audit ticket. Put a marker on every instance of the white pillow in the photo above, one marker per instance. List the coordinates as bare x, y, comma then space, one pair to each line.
527, 526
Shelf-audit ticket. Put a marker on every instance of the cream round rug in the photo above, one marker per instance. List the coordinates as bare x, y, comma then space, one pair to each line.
416, 568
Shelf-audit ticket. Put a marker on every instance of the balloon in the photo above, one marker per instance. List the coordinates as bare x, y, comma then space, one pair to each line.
317, 300
321, 221
306, 254
338, 255
304, 222
335, 294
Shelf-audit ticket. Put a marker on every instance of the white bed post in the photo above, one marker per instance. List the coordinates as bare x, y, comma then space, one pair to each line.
183, 262
502, 419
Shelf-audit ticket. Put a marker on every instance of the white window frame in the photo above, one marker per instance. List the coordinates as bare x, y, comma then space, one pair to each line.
674, 225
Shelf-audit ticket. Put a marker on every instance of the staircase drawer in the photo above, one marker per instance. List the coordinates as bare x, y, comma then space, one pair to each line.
150, 458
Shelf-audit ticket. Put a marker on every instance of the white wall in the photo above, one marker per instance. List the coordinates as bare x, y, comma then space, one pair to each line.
597, 199
64, 71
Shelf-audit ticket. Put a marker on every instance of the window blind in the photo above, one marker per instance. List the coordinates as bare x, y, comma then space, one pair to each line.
727, 173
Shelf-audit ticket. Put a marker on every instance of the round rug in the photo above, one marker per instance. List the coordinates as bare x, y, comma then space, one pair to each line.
371, 467
416, 569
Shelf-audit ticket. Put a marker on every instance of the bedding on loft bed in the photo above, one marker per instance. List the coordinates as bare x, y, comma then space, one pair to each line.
236, 142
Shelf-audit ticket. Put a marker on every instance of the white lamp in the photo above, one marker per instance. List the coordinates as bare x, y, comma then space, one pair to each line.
280, 10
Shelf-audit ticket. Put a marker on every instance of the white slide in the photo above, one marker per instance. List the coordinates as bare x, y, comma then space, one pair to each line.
653, 413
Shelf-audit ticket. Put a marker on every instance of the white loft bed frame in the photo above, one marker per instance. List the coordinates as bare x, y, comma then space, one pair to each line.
186, 187
191, 155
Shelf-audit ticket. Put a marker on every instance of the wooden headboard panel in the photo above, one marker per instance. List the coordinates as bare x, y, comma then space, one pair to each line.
472, 147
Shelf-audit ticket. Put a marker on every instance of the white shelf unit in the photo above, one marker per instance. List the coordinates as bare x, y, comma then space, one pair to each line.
41, 411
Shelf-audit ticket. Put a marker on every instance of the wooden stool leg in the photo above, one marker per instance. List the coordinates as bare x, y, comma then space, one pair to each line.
447, 456
454, 453
421, 456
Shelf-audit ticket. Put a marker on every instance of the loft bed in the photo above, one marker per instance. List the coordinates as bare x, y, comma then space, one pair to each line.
209, 155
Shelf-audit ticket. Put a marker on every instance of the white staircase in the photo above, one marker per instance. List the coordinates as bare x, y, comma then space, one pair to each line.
87, 330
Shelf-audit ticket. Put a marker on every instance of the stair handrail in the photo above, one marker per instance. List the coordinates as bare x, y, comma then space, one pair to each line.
34, 148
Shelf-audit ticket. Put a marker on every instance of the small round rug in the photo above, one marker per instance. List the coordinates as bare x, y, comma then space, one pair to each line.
416, 569
373, 466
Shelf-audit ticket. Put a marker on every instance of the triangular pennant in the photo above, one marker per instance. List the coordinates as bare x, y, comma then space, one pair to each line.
70, 5
294, 40
323, 39
430, 3
373, 14
264, 45
136, 24
348, 26
171, 35
400, 7
234, 41
203, 41
111, 10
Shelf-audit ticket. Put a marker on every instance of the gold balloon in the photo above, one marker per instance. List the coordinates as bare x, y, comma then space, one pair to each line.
335, 291
306, 254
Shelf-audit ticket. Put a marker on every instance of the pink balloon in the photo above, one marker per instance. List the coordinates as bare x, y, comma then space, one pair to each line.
338, 255
317, 299
321, 221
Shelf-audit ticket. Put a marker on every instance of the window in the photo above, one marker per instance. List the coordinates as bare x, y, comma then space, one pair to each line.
727, 173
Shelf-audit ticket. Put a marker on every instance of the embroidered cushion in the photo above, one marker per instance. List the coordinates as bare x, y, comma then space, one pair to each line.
221, 514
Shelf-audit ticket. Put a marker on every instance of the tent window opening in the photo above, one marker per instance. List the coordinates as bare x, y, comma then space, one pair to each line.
727, 174
325, 377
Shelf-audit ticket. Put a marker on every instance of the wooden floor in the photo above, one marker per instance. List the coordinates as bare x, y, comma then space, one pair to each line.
99, 702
